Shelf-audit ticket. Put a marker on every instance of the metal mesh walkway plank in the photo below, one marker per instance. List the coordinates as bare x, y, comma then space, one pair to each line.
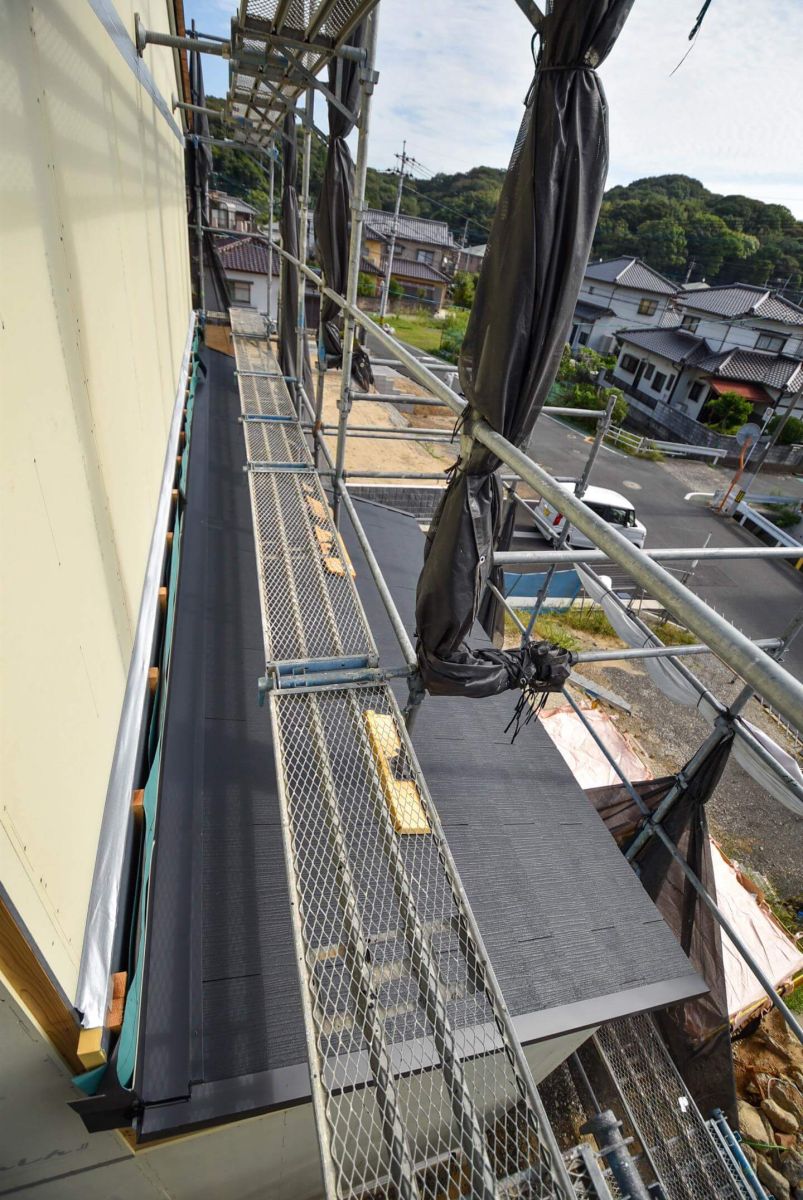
675, 1137
419, 1085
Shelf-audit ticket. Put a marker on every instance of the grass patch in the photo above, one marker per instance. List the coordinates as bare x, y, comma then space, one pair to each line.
419, 329
557, 627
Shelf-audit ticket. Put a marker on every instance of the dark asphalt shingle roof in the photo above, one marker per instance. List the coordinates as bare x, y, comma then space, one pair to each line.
632, 273
673, 343
415, 229
743, 300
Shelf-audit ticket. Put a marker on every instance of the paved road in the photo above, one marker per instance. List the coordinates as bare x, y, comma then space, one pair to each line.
758, 596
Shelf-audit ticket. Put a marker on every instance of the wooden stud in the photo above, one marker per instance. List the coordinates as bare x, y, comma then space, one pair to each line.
163, 599
90, 1048
169, 540
153, 679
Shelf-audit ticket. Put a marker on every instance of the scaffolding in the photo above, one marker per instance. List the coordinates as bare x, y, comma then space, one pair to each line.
397, 988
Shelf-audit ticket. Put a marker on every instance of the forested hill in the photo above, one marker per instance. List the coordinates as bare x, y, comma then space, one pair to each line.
671, 221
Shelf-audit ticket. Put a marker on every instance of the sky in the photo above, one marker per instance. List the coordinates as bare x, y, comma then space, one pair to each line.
454, 74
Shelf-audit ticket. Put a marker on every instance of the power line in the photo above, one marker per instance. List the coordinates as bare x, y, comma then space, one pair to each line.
448, 208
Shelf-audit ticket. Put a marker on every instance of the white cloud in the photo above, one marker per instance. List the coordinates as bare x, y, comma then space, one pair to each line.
453, 75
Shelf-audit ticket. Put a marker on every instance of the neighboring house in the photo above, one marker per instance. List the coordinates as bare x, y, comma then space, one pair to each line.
469, 259
424, 256
246, 263
677, 368
230, 212
618, 294
742, 316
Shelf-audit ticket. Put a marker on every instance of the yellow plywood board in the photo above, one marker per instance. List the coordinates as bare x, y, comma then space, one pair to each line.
401, 795
90, 1048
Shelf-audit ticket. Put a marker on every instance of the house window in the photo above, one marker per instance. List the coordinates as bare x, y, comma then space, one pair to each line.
658, 382
770, 341
671, 380
690, 323
647, 307
425, 256
241, 291
582, 337
628, 364
648, 370
696, 390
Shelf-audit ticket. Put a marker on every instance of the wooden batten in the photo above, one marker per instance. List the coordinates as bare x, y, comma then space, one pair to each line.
138, 807
114, 1017
153, 679
163, 599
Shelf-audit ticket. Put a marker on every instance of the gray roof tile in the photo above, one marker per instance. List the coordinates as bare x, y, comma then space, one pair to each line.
415, 229
633, 273
673, 343
754, 366
743, 299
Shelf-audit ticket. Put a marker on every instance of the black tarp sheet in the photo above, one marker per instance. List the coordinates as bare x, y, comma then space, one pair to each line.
288, 316
697, 1032
531, 274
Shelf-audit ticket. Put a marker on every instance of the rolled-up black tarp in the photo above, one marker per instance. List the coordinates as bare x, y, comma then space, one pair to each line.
522, 312
288, 322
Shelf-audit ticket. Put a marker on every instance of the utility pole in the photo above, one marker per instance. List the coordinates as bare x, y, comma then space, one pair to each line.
383, 305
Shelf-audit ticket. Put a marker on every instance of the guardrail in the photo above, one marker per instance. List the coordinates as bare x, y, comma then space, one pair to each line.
635, 444
743, 512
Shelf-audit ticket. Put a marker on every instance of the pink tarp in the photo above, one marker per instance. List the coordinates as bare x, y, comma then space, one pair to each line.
582, 755
770, 944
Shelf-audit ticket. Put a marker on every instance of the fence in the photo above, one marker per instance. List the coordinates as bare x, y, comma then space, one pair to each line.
636, 444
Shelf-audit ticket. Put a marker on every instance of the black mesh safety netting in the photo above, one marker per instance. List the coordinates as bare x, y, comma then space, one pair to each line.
289, 314
333, 210
522, 312
697, 1031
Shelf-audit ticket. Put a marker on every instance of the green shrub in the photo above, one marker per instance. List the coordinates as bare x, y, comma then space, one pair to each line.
728, 412
792, 432
785, 516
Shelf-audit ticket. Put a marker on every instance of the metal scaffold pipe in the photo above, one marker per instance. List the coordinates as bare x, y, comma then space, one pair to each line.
777, 686
570, 558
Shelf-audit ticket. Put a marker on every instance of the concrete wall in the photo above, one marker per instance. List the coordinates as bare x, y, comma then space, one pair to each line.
94, 311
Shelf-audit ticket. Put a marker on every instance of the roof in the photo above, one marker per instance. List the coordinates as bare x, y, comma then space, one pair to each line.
369, 268
222, 1008
743, 300
584, 310
750, 391
756, 366
632, 273
224, 200
415, 229
671, 342
246, 254
406, 268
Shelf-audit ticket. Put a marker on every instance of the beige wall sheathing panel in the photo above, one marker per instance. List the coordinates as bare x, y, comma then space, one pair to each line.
94, 308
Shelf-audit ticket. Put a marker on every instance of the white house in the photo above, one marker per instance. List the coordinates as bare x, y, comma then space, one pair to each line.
230, 212
741, 316
673, 369
617, 294
246, 262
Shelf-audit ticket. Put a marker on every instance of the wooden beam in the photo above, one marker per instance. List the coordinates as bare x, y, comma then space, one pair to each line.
90, 1048
36, 990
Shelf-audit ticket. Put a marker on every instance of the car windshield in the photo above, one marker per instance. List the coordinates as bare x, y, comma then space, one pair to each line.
614, 515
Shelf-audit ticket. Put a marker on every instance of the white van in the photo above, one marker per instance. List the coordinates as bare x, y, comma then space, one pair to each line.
615, 509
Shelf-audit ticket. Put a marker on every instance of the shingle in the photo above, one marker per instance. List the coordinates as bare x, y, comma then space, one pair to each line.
407, 269
743, 299
245, 254
674, 343
415, 229
633, 273
753, 366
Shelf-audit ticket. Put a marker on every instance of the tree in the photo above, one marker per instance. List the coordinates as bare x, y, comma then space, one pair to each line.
463, 289
728, 412
366, 285
792, 432
663, 244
